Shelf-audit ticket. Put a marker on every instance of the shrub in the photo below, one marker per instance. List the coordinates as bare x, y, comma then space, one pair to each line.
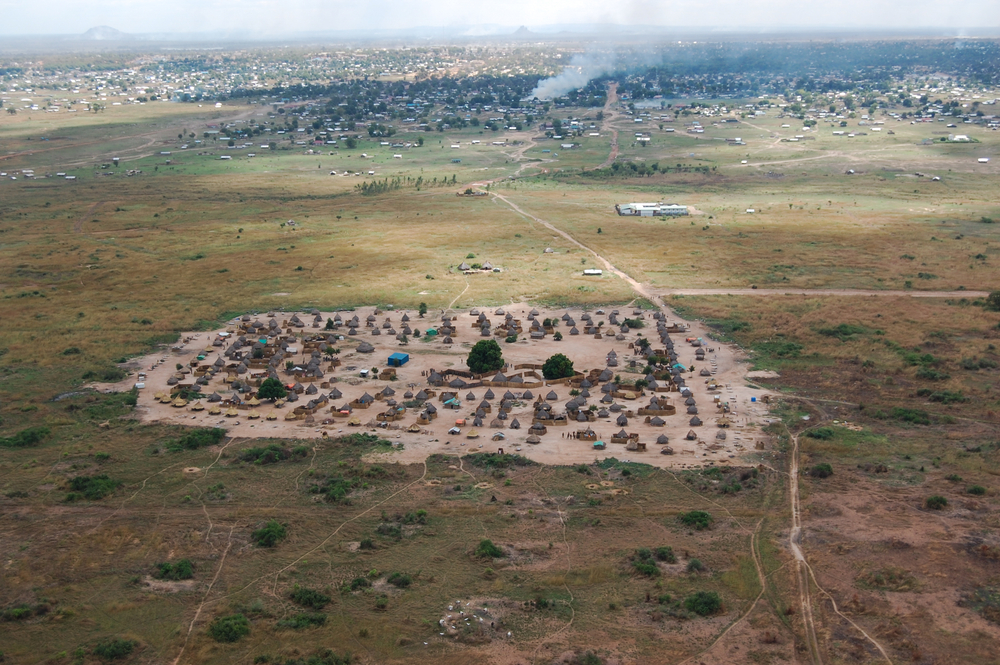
822, 470
360, 583
25, 438
646, 567
270, 454
366, 544
182, 570
309, 598
229, 628
953, 477
888, 579
199, 438
381, 602
304, 620
977, 490
93, 488
399, 580
695, 566
935, 502
114, 649
696, 519
666, 554
487, 550
703, 603
270, 534
821, 433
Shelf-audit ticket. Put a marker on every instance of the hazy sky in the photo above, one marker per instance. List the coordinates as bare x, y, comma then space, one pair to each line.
277, 17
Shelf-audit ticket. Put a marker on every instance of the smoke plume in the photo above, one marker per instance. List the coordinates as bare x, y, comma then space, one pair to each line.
578, 73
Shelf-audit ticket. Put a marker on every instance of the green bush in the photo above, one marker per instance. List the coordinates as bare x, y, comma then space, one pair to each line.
487, 550
822, 433
703, 603
270, 454
93, 488
646, 567
199, 438
695, 566
229, 628
696, 519
822, 470
270, 534
309, 598
114, 649
360, 583
399, 580
25, 438
182, 570
936, 502
977, 490
666, 554
844, 332
304, 620
381, 602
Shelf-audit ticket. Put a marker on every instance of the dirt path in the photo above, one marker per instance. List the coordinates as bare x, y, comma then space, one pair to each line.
794, 539
805, 572
640, 289
609, 115
823, 292
78, 224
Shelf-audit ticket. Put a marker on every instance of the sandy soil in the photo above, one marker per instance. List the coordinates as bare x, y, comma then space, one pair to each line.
556, 447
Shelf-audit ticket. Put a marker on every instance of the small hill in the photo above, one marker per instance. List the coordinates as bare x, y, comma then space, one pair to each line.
523, 32
105, 33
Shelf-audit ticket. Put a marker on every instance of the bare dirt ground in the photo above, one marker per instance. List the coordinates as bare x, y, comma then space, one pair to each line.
723, 361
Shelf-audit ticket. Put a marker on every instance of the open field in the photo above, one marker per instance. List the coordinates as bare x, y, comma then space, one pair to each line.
103, 276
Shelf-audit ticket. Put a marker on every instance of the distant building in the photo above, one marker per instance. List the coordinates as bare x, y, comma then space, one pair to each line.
651, 209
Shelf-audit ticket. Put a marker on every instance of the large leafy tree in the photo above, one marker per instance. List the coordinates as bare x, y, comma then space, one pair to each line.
485, 356
557, 367
271, 389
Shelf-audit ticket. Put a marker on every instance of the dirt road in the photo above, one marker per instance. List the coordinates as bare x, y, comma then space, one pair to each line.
822, 292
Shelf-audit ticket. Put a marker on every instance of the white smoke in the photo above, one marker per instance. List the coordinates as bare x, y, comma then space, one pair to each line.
579, 72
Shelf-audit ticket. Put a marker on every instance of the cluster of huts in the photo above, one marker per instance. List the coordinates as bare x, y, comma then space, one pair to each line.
301, 353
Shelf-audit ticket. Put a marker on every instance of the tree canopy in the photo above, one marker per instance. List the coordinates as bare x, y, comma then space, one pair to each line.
271, 389
485, 356
557, 367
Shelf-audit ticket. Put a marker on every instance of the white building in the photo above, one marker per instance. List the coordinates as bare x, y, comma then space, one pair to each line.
651, 209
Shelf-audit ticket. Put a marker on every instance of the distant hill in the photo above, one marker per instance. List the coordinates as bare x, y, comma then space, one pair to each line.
523, 32
105, 34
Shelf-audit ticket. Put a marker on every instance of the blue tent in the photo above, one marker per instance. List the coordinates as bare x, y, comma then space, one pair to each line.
398, 359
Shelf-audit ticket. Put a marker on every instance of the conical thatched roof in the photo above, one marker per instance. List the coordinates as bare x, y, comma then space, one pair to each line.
533, 439
622, 420
514, 424
662, 439
365, 347
695, 421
